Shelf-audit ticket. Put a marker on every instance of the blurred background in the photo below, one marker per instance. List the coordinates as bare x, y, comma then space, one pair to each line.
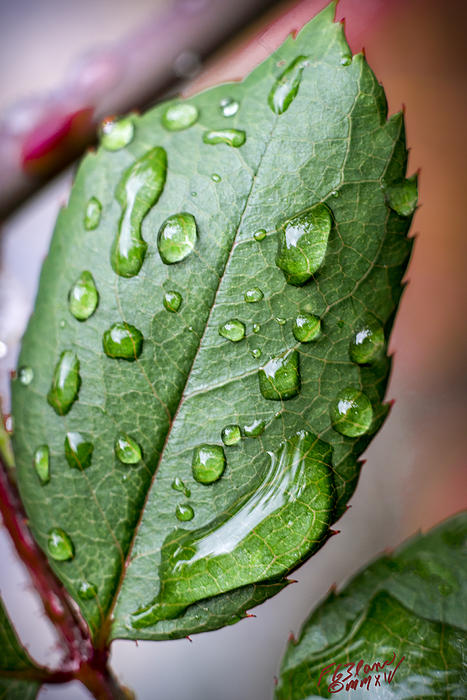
65, 66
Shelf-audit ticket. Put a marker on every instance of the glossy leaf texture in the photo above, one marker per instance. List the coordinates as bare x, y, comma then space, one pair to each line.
15, 664
242, 273
408, 608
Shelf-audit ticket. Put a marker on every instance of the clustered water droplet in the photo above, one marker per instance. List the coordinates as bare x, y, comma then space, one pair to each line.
279, 379
66, 382
306, 327
233, 330
367, 341
127, 449
59, 545
123, 341
177, 238
231, 137
228, 106
253, 295
208, 463
180, 116
25, 375
78, 451
286, 86
116, 133
172, 301
231, 434
92, 215
41, 461
351, 412
179, 485
83, 297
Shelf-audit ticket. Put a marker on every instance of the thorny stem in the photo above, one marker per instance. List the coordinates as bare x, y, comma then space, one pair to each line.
81, 660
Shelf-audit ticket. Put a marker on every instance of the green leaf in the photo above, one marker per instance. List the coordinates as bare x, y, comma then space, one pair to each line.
287, 195
15, 664
410, 605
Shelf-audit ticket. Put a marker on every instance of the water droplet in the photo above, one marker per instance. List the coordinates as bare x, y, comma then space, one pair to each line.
231, 434
367, 341
228, 106
233, 330
179, 485
281, 321
256, 328
215, 177
302, 244
351, 412
180, 116
346, 60
286, 86
66, 382
335, 193
83, 297
3, 349
138, 190
78, 451
253, 295
184, 512
62, 324
59, 545
208, 463
194, 194
92, 215
116, 133
306, 327
256, 353
254, 429
87, 590
123, 341
41, 463
25, 375
402, 196
177, 238
127, 450
232, 137
280, 377
260, 234
172, 301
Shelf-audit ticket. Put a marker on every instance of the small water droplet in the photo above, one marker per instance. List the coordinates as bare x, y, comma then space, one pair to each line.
66, 382
233, 330
180, 116
346, 60
116, 133
231, 434
194, 194
179, 485
367, 342
402, 196
41, 461
25, 375
254, 429
281, 321
59, 545
92, 214
260, 234
177, 238
256, 328
228, 106
62, 323
138, 190
3, 349
215, 177
78, 451
83, 297
280, 378
231, 137
87, 590
256, 353
172, 301
127, 450
335, 193
123, 341
302, 244
208, 463
306, 327
286, 86
351, 412
253, 295
184, 512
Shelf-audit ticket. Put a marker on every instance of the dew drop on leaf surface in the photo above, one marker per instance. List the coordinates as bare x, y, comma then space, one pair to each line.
41, 460
280, 377
256, 353
92, 215
233, 330
286, 86
231, 434
184, 512
253, 295
351, 412
306, 327
208, 463
25, 375
172, 301
231, 137
87, 590
83, 297
180, 116
367, 341
123, 341
59, 545
116, 133
260, 234
127, 449
179, 485
177, 238
66, 382
228, 106
78, 450
255, 428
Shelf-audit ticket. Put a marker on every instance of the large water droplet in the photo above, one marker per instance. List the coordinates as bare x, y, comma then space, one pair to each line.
41, 463
78, 451
231, 434
59, 545
92, 215
177, 238
351, 412
25, 375
65, 383
255, 428
280, 377
116, 133
233, 330
83, 297
123, 341
184, 512
302, 244
138, 190
402, 196
228, 106
286, 86
179, 485
127, 450
306, 327
208, 463
232, 137
253, 295
367, 342
172, 301
260, 234
87, 590
180, 116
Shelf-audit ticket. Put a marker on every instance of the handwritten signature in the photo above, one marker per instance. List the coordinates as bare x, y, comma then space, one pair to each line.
372, 674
